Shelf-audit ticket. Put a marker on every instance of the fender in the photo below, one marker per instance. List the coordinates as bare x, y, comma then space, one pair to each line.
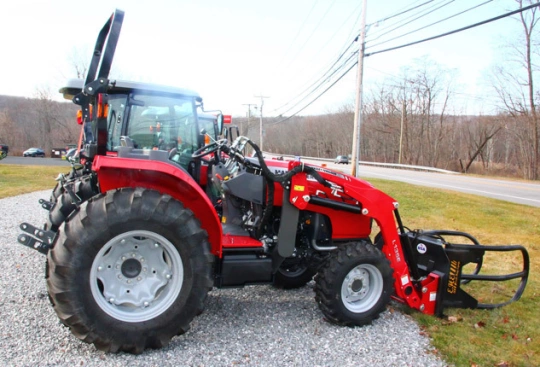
115, 173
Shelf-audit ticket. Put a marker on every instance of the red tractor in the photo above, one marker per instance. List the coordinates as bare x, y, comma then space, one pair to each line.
139, 238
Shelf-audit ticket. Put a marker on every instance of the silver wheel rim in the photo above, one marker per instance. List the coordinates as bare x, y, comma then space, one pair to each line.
362, 288
136, 276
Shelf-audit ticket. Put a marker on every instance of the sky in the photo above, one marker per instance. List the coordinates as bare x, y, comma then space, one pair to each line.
232, 51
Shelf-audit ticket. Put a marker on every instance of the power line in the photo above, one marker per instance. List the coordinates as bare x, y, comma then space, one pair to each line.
401, 13
319, 80
314, 30
427, 11
337, 31
261, 120
316, 98
456, 30
330, 71
298, 33
305, 88
406, 45
248, 117
432, 24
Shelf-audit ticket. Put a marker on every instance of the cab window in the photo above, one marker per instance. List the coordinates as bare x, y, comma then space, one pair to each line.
162, 122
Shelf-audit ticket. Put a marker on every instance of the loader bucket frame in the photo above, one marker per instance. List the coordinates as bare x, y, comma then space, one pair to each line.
444, 261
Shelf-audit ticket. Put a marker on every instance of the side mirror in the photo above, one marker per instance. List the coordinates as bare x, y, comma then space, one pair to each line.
219, 119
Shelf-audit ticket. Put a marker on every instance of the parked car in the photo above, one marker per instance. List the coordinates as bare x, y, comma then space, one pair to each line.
341, 159
34, 152
3, 151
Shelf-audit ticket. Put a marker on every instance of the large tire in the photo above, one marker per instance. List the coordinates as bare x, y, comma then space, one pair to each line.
293, 274
354, 285
130, 270
64, 204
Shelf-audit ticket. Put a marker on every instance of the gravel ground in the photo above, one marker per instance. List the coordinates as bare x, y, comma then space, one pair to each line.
253, 326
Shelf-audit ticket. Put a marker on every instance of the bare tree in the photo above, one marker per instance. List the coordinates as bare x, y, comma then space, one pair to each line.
514, 83
480, 134
420, 97
79, 61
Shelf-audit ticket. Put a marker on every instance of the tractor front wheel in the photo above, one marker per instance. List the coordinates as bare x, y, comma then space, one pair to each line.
130, 270
354, 285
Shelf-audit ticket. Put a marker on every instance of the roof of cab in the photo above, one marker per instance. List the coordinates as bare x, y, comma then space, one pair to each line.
74, 86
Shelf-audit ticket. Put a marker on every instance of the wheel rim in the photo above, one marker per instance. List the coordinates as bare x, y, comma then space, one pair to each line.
362, 288
136, 276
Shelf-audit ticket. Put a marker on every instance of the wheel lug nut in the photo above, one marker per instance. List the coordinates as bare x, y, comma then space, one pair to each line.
111, 300
123, 241
123, 258
168, 276
156, 244
146, 304
133, 255
100, 268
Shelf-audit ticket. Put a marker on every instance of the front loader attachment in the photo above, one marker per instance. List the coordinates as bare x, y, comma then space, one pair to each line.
442, 264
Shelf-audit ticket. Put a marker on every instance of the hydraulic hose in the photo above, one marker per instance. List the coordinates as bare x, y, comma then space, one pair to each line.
271, 178
288, 175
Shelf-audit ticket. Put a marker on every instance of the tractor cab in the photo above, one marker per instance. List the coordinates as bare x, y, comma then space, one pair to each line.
151, 117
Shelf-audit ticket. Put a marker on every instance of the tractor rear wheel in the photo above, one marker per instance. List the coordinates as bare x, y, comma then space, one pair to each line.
64, 204
130, 270
354, 285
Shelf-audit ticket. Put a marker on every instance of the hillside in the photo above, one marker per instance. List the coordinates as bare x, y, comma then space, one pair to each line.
37, 122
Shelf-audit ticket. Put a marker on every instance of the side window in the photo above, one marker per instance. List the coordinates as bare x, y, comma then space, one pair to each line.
142, 125
208, 123
163, 122
117, 106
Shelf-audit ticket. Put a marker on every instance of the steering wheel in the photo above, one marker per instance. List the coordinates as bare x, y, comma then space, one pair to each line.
210, 148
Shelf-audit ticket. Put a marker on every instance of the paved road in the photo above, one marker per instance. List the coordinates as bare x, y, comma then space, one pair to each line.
514, 191
521, 192
29, 161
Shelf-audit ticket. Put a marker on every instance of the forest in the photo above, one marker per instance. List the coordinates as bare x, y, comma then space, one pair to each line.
402, 122
37, 122
408, 119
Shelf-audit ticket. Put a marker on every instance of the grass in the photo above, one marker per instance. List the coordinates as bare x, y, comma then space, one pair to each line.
18, 179
509, 336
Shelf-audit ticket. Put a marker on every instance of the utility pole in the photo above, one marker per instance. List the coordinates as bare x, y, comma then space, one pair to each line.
261, 122
359, 81
401, 130
248, 117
